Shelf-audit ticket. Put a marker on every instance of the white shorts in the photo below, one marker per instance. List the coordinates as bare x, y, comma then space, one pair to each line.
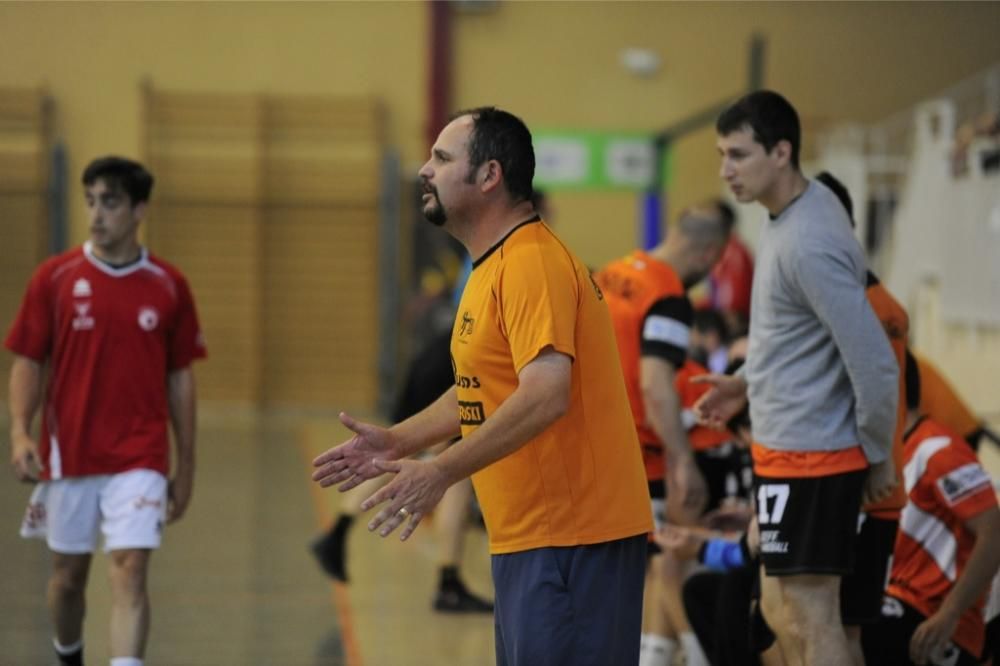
129, 508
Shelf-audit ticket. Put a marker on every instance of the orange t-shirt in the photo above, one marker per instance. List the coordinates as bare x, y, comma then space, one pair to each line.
940, 401
631, 286
897, 326
947, 487
581, 480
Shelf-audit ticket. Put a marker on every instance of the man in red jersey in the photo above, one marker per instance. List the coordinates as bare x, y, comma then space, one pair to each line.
947, 550
117, 329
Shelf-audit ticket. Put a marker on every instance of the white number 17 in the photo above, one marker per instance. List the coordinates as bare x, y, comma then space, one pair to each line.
777, 492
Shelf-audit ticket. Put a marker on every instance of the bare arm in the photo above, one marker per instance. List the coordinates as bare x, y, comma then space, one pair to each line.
181, 402
25, 396
663, 412
438, 422
982, 565
663, 407
541, 397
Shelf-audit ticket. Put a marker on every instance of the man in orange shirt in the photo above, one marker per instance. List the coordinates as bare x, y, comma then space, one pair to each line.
947, 550
540, 403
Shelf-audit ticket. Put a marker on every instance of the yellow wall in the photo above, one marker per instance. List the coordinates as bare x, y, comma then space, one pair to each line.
555, 63
92, 57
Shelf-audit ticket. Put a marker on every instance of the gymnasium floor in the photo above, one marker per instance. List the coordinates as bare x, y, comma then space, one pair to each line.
235, 583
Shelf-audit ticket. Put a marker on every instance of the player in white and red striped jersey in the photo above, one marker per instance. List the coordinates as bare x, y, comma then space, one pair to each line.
947, 549
118, 331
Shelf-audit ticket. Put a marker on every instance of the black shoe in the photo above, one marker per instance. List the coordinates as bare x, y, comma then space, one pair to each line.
454, 598
329, 552
71, 659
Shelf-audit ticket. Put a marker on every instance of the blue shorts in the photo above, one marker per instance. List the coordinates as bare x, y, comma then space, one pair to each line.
574, 605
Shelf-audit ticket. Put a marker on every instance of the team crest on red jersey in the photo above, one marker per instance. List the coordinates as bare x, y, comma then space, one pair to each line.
81, 288
148, 318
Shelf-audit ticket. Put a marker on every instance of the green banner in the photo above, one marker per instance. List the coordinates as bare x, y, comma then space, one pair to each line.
592, 160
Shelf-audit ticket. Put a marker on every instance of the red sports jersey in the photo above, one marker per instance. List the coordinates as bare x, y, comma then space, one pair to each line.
111, 335
731, 278
946, 486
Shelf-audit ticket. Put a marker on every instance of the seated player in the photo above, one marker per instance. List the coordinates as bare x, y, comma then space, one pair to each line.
947, 550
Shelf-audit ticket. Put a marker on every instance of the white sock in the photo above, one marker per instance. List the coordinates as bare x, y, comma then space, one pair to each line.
126, 661
66, 649
656, 650
693, 654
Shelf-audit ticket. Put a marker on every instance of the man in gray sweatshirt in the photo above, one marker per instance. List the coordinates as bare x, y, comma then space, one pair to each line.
820, 376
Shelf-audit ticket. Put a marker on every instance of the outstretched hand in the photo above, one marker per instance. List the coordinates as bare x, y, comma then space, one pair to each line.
352, 463
415, 491
722, 402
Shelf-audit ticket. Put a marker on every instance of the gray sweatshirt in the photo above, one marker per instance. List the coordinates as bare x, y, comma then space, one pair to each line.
820, 371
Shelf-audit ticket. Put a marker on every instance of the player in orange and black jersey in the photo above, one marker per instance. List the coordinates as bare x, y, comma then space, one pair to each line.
646, 293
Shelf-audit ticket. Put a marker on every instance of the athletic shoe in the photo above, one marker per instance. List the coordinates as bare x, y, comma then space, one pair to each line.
454, 598
329, 552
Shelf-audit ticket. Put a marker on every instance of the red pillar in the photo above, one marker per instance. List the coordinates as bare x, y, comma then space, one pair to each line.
439, 79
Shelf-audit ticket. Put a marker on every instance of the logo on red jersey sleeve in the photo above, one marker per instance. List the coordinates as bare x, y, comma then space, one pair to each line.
962, 482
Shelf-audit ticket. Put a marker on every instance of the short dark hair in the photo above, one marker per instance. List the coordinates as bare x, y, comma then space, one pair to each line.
912, 381
704, 231
771, 117
121, 172
840, 190
502, 136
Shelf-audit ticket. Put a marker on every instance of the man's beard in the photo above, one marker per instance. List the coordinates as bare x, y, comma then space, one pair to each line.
435, 214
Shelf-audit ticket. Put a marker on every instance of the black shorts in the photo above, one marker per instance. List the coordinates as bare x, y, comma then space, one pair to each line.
809, 525
728, 472
888, 641
861, 591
